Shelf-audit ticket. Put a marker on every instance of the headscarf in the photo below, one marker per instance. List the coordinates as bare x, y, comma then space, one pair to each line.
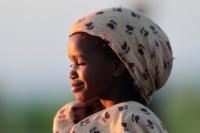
139, 43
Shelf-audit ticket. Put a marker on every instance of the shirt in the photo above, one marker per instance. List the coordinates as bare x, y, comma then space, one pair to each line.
125, 117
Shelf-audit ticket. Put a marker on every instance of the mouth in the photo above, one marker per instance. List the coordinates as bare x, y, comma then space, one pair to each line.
77, 86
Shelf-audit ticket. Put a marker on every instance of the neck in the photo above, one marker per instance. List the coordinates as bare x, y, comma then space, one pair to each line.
121, 93
116, 95
108, 103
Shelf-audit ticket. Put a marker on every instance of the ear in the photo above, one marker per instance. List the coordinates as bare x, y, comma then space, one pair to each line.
119, 68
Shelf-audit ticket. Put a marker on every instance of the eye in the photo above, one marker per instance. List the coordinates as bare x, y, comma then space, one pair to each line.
77, 64
81, 63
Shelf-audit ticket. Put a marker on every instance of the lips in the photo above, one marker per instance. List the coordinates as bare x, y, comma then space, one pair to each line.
77, 86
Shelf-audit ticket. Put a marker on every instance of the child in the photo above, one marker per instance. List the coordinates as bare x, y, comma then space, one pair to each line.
119, 58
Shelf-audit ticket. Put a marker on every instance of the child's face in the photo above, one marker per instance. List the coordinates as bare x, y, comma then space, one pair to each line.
91, 75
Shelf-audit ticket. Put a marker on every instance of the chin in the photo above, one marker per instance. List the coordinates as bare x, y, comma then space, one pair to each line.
85, 99
81, 99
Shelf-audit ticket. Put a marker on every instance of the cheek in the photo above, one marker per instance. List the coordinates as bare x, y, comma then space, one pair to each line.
97, 79
85, 74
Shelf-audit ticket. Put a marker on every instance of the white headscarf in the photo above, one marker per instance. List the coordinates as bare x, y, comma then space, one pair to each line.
139, 43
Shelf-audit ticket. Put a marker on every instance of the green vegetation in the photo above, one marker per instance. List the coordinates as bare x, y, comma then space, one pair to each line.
177, 108
30, 118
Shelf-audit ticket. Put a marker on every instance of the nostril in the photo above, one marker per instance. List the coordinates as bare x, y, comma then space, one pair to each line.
73, 75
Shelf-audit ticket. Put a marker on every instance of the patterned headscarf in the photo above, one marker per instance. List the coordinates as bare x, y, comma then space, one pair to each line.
139, 43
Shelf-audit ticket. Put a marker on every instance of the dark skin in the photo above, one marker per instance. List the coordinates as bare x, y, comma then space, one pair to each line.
102, 78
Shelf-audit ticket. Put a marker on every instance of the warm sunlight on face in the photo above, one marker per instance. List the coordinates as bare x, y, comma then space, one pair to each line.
90, 74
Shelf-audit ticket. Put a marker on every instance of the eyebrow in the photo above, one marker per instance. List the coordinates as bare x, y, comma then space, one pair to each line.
77, 56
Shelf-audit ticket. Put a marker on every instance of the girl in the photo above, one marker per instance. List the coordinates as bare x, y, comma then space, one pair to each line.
119, 58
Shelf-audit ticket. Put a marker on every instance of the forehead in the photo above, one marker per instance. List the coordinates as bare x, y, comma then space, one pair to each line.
79, 45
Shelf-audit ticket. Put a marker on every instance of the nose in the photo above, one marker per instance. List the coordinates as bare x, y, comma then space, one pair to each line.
73, 72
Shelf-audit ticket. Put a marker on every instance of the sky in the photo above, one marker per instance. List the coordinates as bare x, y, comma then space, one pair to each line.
34, 33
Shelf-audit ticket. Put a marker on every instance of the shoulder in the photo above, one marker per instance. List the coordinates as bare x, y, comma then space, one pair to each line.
69, 115
63, 120
65, 110
123, 117
135, 117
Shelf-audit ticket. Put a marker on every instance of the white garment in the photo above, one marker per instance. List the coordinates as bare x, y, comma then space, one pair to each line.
125, 117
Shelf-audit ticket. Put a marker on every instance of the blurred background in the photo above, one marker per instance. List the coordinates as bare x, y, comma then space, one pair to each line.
34, 65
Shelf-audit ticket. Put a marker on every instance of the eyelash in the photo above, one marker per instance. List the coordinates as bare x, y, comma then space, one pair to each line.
79, 64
